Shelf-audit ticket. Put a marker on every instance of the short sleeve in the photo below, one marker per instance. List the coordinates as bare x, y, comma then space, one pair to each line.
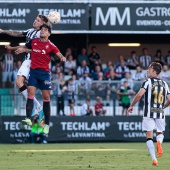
28, 44
145, 85
24, 33
54, 48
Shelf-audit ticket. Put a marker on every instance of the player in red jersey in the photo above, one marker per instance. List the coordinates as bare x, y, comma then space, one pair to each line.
40, 49
23, 72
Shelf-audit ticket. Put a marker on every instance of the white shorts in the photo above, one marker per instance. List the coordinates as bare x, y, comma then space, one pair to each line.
24, 69
149, 124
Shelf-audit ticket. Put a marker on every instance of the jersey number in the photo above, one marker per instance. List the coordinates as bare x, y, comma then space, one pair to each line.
158, 98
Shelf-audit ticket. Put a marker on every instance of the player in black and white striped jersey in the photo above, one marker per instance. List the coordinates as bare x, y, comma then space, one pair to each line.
23, 72
156, 91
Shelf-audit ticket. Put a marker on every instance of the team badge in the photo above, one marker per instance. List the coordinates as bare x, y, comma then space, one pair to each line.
47, 46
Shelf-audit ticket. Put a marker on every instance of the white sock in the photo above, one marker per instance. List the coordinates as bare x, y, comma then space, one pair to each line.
25, 93
37, 105
160, 138
151, 149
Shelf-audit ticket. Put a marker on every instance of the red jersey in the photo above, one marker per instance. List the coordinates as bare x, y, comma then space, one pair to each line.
98, 107
40, 55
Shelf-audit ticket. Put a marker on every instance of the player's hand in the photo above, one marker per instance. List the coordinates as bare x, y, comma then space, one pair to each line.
1, 31
8, 47
63, 59
129, 110
20, 50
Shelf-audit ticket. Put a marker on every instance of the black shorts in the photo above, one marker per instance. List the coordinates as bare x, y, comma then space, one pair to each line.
125, 105
71, 101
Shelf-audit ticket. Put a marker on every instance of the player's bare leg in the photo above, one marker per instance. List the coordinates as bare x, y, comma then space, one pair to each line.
151, 147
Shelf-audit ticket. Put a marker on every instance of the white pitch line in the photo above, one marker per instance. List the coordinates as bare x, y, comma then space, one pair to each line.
75, 150
80, 165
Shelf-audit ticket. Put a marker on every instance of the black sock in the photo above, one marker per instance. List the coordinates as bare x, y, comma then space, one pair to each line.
29, 107
46, 110
24, 87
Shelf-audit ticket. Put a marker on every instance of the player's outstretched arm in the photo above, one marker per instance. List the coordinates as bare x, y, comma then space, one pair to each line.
12, 48
12, 33
23, 49
61, 57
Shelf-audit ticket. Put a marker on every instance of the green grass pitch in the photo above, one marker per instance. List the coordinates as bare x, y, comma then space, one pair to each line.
80, 156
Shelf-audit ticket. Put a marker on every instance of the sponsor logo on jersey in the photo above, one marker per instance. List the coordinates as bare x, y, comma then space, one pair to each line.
37, 51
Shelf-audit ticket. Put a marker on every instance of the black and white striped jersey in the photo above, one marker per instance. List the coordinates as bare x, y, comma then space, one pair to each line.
155, 97
30, 34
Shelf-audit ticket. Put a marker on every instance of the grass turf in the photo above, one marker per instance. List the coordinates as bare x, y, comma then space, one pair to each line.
86, 156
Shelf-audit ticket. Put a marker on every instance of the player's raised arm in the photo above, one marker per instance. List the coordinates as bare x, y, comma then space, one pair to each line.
12, 33
61, 57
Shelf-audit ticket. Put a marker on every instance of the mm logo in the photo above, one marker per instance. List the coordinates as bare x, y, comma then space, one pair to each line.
113, 15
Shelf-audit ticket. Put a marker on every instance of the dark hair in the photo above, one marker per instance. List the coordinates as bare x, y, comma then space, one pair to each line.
43, 18
156, 67
144, 49
133, 52
46, 26
87, 100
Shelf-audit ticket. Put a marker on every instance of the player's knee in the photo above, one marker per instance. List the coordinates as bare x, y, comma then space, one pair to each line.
46, 99
159, 133
19, 82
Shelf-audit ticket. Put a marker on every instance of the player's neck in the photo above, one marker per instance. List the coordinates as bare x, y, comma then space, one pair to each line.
35, 28
156, 76
43, 39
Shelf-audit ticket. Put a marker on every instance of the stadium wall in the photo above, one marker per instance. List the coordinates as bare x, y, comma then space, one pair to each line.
80, 129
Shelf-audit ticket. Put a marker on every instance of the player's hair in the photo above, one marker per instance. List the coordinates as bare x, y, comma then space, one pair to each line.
43, 18
46, 26
98, 98
157, 67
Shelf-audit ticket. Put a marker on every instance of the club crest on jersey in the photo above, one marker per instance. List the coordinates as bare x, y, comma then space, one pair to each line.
35, 43
47, 46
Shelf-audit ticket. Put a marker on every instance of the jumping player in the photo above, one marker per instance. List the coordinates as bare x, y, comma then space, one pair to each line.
40, 49
23, 72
